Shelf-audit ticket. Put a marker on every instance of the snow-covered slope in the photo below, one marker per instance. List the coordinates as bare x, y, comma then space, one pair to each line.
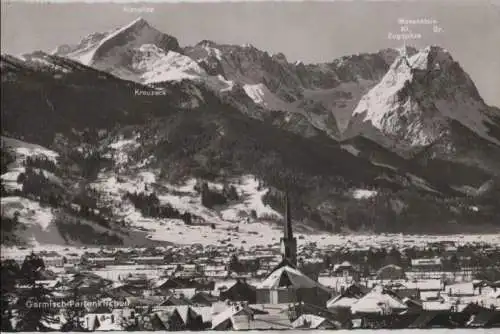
38, 227
261, 95
151, 64
158, 65
230, 224
416, 101
23, 150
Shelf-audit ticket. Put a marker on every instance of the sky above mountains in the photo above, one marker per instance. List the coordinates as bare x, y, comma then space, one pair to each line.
310, 32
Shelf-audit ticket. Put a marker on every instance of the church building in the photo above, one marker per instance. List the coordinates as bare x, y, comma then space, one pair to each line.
286, 284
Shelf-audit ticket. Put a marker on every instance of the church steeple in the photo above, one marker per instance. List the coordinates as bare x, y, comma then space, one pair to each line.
288, 241
288, 233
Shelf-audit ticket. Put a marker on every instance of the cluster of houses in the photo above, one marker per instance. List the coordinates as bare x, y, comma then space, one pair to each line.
194, 297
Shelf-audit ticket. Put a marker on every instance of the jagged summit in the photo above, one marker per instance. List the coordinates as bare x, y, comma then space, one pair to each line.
417, 101
139, 21
206, 42
405, 50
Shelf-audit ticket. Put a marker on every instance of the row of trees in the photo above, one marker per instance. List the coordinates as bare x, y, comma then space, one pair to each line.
8, 229
72, 228
30, 319
28, 299
6, 159
34, 182
150, 206
211, 198
41, 162
87, 208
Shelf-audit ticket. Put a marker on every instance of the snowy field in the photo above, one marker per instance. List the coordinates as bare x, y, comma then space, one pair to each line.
325, 241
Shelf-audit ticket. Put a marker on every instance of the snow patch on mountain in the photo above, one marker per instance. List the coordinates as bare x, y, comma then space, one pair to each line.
9, 179
248, 188
363, 193
155, 65
158, 65
384, 165
37, 220
351, 149
213, 52
262, 96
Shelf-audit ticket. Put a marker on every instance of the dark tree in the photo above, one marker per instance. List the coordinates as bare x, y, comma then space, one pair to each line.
9, 274
34, 303
73, 314
235, 264
32, 268
211, 198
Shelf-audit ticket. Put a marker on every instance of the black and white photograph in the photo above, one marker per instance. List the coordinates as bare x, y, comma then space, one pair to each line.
250, 165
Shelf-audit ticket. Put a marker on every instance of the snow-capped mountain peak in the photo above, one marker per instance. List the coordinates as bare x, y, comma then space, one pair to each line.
416, 101
113, 49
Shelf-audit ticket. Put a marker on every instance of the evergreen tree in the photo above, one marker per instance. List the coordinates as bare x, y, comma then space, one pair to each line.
34, 303
235, 264
6, 159
32, 268
34, 309
73, 314
9, 274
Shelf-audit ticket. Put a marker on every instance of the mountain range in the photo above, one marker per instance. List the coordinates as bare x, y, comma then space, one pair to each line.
136, 139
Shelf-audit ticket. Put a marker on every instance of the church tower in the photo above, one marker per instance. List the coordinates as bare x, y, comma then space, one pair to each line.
288, 241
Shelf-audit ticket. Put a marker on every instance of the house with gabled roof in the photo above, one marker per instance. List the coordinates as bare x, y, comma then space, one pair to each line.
379, 301
204, 298
312, 321
289, 285
345, 269
231, 316
348, 297
240, 290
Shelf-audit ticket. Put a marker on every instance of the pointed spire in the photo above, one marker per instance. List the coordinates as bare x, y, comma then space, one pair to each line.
288, 233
